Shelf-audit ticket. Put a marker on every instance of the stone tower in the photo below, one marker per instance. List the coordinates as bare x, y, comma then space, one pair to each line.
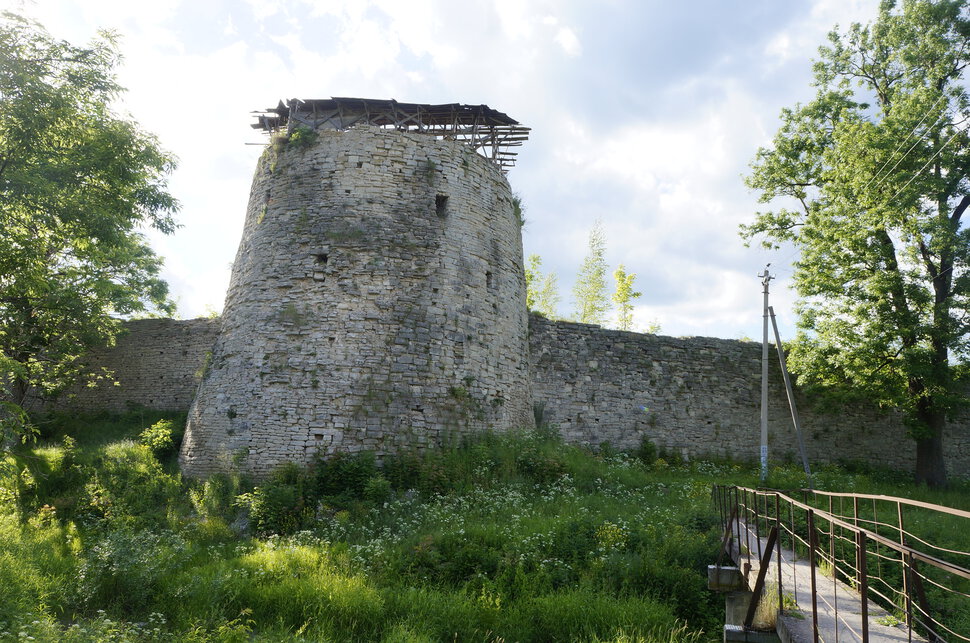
377, 298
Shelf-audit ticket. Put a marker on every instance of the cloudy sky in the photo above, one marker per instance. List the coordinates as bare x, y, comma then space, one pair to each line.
644, 115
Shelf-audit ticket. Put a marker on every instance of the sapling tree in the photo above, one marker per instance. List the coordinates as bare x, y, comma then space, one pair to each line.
590, 292
623, 296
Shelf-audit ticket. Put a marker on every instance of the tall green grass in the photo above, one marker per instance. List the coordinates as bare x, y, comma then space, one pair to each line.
513, 537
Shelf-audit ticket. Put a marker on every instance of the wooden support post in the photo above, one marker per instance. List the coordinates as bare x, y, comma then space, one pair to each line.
916, 582
737, 521
759, 584
727, 537
863, 582
902, 541
781, 601
855, 522
832, 539
812, 545
757, 522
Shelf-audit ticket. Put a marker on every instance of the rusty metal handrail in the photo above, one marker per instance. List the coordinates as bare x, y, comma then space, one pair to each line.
895, 499
746, 505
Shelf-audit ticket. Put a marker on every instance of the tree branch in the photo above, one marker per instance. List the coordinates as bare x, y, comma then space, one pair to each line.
958, 212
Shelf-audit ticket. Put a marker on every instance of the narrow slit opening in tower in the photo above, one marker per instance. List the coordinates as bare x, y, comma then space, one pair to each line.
488, 279
441, 205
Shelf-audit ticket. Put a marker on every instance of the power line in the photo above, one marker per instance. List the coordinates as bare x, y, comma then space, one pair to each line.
925, 165
896, 164
903, 142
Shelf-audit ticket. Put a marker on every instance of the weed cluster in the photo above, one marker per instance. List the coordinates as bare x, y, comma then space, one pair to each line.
502, 537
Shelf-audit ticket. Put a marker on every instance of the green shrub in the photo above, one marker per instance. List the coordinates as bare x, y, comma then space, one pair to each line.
124, 569
647, 451
377, 490
51, 476
343, 477
542, 465
575, 540
403, 470
162, 438
37, 564
282, 504
215, 496
435, 477
101, 428
130, 486
455, 558
302, 137
606, 449
604, 550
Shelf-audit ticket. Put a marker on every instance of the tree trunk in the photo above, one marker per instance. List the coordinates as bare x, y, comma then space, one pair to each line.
19, 392
930, 466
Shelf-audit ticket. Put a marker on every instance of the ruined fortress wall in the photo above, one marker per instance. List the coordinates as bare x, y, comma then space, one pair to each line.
701, 396
693, 397
377, 300
156, 363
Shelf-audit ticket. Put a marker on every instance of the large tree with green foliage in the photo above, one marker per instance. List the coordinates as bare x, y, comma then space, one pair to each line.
590, 292
76, 182
872, 176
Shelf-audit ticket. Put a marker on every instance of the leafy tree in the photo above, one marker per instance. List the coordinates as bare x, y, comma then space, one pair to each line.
541, 291
76, 183
590, 291
874, 174
623, 296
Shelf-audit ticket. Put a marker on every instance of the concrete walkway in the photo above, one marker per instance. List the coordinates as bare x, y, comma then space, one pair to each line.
839, 606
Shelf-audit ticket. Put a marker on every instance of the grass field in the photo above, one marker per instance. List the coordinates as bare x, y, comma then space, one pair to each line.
514, 537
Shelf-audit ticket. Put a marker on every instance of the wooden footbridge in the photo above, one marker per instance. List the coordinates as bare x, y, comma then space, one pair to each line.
833, 567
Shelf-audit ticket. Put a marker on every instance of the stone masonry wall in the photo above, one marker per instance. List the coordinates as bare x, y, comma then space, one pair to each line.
156, 363
377, 300
695, 396
701, 396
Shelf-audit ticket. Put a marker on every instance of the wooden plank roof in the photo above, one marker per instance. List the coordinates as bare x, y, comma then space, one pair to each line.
486, 130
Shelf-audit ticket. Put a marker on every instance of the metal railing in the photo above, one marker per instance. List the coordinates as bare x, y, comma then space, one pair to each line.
880, 546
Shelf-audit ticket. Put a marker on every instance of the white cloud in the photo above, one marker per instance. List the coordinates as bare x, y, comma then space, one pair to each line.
779, 49
567, 39
263, 9
660, 162
516, 19
802, 39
